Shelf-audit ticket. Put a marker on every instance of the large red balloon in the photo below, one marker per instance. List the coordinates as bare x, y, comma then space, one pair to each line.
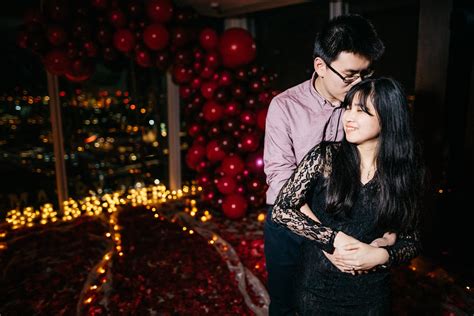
234, 206
237, 47
56, 62
159, 11
156, 36
124, 40
208, 39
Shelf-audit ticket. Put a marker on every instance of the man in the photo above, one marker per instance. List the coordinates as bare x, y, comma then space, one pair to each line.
303, 116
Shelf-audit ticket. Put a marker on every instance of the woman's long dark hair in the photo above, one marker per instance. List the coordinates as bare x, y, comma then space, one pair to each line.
399, 175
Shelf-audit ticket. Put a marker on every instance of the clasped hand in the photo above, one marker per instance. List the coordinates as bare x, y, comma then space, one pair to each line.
355, 257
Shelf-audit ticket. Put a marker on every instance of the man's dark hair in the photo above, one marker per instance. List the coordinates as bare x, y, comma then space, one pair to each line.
348, 33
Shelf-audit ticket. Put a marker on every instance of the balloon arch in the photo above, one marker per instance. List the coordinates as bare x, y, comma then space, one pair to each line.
224, 94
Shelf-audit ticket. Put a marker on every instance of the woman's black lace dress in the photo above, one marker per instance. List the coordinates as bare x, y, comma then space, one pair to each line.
322, 289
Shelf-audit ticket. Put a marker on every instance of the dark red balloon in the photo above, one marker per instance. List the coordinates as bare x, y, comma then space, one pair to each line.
56, 62
226, 185
22, 39
208, 89
214, 152
208, 39
248, 117
212, 60
234, 206
117, 18
180, 36
90, 49
182, 74
162, 60
250, 142
156, 36
143, 57
194, 129
237, 47
225, 78
99, 4
56, 35
160, 11
212, 111
232, 165
104, 34
124, 40
232, 108
194, 155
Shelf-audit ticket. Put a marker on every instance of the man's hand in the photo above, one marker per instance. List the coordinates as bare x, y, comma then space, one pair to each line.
388, 239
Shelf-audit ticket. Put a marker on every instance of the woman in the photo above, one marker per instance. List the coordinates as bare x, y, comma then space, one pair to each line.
358, 189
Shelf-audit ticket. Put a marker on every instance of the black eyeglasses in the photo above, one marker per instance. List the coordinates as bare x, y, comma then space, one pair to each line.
350, 79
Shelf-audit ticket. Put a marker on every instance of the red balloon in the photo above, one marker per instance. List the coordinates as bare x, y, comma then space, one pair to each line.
212, 60
79, 70
194, 129
226, 185
255, 185
208, 39
58, 10
56, 62
232, 108
237, 47
124, 40
194, 155
90, 49
159, 11
99, 4
261, 118
117, 18
234, 206
143, 58
162, 60
254, 162
248, 117
56, 35
180, 36
249, 142
104, 34
212, 111
208, 89
185, 92
207, 72
214, 152
225, 78
22, 39
156, 36
232, 165
182, 74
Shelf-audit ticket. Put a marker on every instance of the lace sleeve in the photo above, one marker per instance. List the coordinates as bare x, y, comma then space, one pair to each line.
407, 247
293, 195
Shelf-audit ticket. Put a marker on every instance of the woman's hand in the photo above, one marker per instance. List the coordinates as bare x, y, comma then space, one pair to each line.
360, 256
